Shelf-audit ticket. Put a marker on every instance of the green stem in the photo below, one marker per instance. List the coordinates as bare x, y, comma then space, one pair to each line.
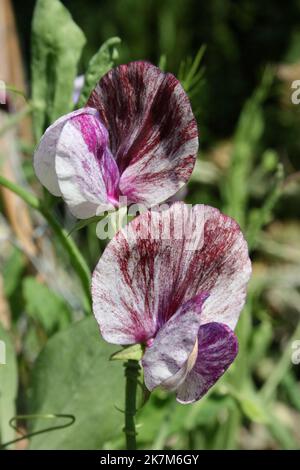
131, 373
67, 242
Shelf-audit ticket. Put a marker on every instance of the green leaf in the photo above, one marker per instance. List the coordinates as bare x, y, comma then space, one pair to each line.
163, 417
261, 217
77, 260
248, 134
130, 352
99, 65
161, 414
191, 73
262, 338
8, 385
282, 434
226, 434
254, 410
57, 44
73, 375
12, 271
205, 411
292, 388
44, 306
252, 405
162, 64
280, 370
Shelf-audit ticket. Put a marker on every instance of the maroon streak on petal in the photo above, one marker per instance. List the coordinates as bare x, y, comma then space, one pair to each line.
153, 132
163, 259
217, 349
87, 173
167, 357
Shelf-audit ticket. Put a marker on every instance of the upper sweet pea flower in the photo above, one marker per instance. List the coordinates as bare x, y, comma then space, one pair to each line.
137, 137
175, 281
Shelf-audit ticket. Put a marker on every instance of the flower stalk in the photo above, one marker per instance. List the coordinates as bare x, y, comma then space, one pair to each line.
158, 285
132, 369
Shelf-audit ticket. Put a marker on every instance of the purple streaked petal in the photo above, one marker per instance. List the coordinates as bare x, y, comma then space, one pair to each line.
225, 267
151, 268
44, 156
87, 173
165, 361
217, 349
153, 132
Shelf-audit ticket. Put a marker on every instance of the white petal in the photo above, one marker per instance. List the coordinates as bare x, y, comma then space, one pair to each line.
44, 156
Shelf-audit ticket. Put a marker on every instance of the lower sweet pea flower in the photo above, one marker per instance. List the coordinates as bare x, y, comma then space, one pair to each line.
136, 138
180, 300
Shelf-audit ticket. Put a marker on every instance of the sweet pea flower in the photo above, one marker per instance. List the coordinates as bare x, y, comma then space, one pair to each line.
136, 138
175, 282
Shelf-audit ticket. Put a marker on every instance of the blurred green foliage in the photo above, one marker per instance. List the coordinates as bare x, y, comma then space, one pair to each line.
241, 37
227, 55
